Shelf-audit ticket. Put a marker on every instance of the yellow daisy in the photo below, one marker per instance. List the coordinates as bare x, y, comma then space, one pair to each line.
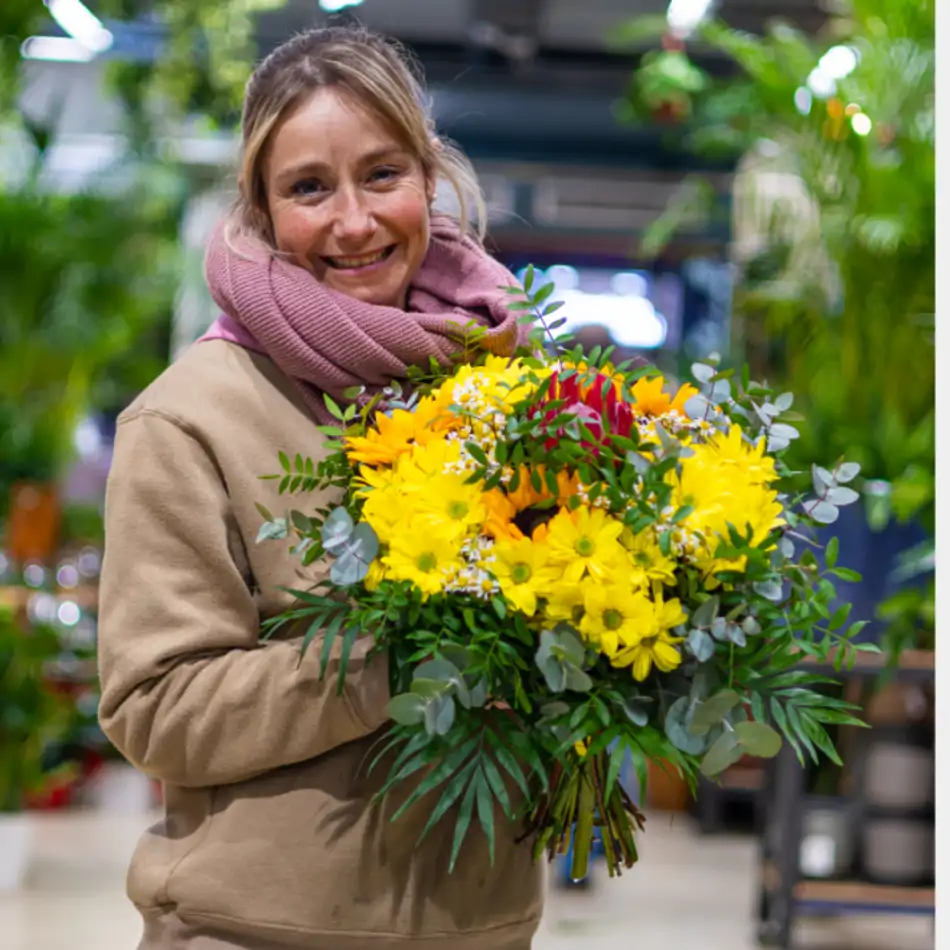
424, 558
615, 615
524, 572
586, 539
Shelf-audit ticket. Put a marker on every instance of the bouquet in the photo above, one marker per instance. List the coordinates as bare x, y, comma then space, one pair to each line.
569, 564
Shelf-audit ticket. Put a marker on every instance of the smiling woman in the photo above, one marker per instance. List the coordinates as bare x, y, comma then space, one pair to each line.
331, 272
347, 200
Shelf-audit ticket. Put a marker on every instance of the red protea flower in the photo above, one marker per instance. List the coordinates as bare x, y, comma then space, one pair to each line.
594, 403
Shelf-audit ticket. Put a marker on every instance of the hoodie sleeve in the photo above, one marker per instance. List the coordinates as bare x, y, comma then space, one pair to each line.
189, 693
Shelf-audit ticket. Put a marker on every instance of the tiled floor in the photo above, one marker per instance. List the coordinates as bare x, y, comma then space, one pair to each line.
689, 893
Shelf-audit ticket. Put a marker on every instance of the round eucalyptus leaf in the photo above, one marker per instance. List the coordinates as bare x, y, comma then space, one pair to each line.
725, 752
787, 547
555, 674
407, 709
275, 530
702, 372
781, 430
735, 634
577, 680
427, 689
571, 643
696, 407
758, 739
456, 654
847, 472
821, 479
751, 627
824, 512
439, 716
347, 570
637, 712
710, 713
364, 543
784, 402
718, 629
555, 710
701, 645
677, 731
706, 612
478, 695
842, 496
336, 530
440, 669
770, 590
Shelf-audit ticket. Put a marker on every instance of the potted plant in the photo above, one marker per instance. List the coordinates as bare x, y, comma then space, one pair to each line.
31, 716
834, 255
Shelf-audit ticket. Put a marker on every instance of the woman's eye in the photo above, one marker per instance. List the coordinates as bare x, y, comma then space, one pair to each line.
383, 175
306, 188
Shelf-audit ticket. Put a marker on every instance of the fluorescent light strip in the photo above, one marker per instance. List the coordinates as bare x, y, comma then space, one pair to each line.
55, 49
685, 15
75, 18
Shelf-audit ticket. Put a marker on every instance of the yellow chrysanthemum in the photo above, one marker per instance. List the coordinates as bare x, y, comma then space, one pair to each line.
657, 646
424, 462
525, 572
586, 539
394, 435
565, 602
424, 558
615, 615
648, 562
735, 454
449, 506
650, 399
384, 510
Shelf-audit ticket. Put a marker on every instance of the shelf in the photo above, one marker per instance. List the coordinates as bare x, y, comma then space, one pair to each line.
859, 894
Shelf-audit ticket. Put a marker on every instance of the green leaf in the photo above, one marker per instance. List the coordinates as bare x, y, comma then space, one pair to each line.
617, 756
497, 785
447, 766
831, 553
336, 530
272, 530
407, 709
846, 574
677, 728
486, 813
724, 753
451, 794
284, 461
508, 762
701, 645
758, 739
704, 615
333, 628
440, 715
349, 638
712, 712
461, 824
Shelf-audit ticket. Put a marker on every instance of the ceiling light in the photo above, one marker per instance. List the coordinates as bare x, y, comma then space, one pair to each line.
684, 16
75, 18
335, 6
55, 49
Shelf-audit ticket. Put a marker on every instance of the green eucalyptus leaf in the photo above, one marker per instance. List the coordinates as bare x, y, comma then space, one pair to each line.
706, 613
677, 728
440, 669
577, 680
751, 627
725, 752
439, 715
847, 472
770, 590
637, 711
336, 530
735, 634
555, 674
718, 629
407, 709
555, 710
842, 496
428, 689
275, 530
701, 645
710, 713
758, 739
823, 512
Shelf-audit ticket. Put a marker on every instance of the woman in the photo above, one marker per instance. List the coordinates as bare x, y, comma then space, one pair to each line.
331, 273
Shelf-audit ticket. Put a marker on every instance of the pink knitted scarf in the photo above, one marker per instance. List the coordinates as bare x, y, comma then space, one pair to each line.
328, 342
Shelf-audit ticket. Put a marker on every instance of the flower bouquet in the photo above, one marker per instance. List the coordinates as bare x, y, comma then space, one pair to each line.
568, 565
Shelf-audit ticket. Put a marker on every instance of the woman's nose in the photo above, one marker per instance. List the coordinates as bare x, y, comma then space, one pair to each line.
353, 220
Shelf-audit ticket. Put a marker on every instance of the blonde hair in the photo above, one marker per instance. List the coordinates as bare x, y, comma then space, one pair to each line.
380, 75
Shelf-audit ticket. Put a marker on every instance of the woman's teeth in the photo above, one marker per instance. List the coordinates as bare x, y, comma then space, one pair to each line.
355, 263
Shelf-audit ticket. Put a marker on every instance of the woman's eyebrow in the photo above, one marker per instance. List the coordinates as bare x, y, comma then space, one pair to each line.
314, 166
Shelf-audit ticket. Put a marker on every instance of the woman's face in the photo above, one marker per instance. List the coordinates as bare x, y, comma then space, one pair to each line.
346, 200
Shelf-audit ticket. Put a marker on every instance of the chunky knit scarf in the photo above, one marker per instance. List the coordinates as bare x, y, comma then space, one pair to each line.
328, 342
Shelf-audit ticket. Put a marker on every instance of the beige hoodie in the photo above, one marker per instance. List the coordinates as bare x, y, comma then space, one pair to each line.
269, 839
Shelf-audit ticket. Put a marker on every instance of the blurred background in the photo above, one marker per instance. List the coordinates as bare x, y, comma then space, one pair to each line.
753, 178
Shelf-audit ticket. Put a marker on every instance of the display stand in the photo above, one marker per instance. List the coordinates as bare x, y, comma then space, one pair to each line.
785, 895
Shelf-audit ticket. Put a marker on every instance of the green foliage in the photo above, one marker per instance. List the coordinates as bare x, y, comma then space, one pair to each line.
30, 716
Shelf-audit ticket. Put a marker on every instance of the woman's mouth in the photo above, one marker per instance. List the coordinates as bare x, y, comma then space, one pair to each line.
359, 262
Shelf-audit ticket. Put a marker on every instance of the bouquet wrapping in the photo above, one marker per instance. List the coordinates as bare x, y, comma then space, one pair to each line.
568, 563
